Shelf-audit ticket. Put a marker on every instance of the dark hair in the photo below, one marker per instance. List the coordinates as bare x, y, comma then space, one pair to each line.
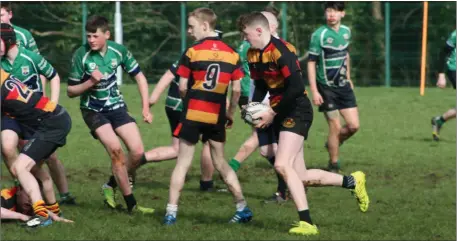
6, 6
273, 10
252, 18
97, 22
7, 35
339, 6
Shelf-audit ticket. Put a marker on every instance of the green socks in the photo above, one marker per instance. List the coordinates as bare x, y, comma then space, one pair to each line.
234, 164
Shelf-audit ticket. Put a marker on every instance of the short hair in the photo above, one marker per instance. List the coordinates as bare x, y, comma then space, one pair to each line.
205, 15
97, 22
6, 6
251, 19
339, 6
273, 10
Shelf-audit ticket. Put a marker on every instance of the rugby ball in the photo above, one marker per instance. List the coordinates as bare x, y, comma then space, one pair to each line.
250, 110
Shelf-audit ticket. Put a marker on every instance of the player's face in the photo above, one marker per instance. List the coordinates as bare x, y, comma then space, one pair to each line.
196, 28
252, 35
98, 39
5, 16
333, 16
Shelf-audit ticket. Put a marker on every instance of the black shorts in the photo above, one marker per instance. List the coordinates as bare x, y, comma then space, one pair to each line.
297, 121
191, 132
243, 101
50, 135
173, 119
116, 118
11, 124
451, 76
336, 98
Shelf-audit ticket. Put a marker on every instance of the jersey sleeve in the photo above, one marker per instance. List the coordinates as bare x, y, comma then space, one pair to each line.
451, 40
237, 73
184, 64
77, 69
315, 48
174, 68
31, 44
44, 67
129, 63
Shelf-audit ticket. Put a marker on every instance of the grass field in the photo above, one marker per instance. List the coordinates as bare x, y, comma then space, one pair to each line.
411, 180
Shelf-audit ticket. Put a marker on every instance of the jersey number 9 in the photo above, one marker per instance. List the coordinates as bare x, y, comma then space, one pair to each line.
212, 76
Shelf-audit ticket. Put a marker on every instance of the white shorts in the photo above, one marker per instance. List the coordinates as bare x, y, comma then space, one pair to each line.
266, 100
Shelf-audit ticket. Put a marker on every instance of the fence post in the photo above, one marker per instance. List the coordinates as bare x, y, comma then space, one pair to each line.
183, 27
84, 18
284, 20
387, 43
118, 36
424, 48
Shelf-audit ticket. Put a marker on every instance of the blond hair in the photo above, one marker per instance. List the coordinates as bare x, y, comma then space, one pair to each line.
205, 15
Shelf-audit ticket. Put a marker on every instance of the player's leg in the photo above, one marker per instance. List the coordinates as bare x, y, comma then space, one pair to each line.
207, 169
245, 151
58, 174
10, 139
216, 138
438, 122
351, 117
333, 141
47, 188
189, 136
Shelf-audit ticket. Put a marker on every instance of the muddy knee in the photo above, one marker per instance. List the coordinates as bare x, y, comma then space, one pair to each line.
117, 158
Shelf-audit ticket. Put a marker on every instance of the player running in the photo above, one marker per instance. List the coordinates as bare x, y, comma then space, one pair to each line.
447, 61
206, 69
93, 77
275, 69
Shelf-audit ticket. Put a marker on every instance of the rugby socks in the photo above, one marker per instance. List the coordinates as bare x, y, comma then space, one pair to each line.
234, 164
112, 182
348, 182
206, 185
53, 208
282, 185
130, 201
172, 210
241, 205
39, 209
305, 216
143, 160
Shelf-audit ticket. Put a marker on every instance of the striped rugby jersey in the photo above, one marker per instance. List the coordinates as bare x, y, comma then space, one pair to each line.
210, 65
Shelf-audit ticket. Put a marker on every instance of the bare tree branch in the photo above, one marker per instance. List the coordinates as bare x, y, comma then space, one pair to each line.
305, 56
54, 33
57, 17
154, 53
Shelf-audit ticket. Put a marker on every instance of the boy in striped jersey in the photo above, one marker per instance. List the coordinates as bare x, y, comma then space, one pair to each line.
206, 69
329, 64
93, 77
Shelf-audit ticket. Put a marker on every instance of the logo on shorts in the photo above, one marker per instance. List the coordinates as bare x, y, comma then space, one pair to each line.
29, 143
25, 70
288, 123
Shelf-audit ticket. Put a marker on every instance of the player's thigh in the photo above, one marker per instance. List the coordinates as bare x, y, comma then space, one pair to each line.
94, 120
130, 135
345, 98
351, 117
108, 138
289, 146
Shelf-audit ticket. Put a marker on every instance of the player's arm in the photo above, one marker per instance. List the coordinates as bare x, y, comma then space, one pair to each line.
348, 70
237, 75
313, 56
293, 82
75, 87
184, 72
163, 83
45, 69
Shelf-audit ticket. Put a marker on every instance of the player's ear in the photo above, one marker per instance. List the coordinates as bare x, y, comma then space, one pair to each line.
259, 30
343, 13
107, 34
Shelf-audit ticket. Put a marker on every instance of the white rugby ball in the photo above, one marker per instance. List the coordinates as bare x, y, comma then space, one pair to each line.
251, 109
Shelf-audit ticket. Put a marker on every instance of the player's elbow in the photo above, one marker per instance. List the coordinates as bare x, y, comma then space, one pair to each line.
71, 93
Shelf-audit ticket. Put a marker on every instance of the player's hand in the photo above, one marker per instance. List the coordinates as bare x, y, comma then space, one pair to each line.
317, 98
352, 84
96, 76
441, 83
56, 218
147, 116
229, 123
266, 118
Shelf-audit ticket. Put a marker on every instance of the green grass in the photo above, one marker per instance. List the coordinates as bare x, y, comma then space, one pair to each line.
411, 180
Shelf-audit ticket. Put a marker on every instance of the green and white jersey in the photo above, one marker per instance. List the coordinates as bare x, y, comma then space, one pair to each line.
329, 49
246, 80
27, 67
451, 43
25, 39
104, 96
174, 100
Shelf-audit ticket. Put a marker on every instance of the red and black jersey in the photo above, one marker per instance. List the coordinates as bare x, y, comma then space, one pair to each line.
209, 65
276, 69
22, 104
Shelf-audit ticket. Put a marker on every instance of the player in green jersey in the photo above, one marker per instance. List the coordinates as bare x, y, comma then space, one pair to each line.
93, 78
447, 64
27, 66
330, 81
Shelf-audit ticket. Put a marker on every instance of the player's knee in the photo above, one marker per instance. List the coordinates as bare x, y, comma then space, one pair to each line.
9, 151
280, 168
353, 128
117, 157
137, 153
266, 152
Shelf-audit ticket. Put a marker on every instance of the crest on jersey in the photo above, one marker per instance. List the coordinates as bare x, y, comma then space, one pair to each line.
114, 63
25, 70
92, 65
346, 36
329, 40
214, 47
